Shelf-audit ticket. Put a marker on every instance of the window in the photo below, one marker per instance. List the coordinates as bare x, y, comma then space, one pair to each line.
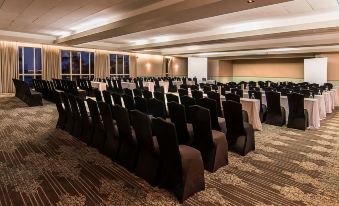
119, 65
77, 65
30, 64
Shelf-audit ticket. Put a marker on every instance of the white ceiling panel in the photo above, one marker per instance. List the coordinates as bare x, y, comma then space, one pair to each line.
324, 4
297, 6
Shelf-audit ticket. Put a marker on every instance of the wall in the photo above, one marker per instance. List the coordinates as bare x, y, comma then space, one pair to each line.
155, 65
179, 66
332, 67
269, 69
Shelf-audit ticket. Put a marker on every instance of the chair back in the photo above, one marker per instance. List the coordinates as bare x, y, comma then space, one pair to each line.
211, 105
107, 97
183, 92
215, 96
156, 108
147, 94
234, 120
128, 102
178, 117
196, 94
159, 96
141, 104
172, 98
233, 97
142, 125
117, 99
273, 102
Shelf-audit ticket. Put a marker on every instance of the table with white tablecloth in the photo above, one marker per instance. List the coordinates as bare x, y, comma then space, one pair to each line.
336, 95
101, 86
128, 85
150, 86
252, 107
164, 84
322, 107
328, 102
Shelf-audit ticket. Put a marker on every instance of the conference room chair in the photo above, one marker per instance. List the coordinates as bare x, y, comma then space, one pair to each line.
233, 97
117, 99
297, 115
128, 151
86, 123
184, 86
159, 96
194, 87
240, 134
112, 144
147, 166
253, 94
306, 93
107, 97
147, 94
141, 104
184, 130
239, 92
137, 92
99, 134
275, 113
206, 88
62, 119
70, 118
182, 168
157, 108
171, 87
196, 94
187, 102
211, 143
128, 102
216, 97
172, 98
128, 92
182, 92
98, 96
77, 126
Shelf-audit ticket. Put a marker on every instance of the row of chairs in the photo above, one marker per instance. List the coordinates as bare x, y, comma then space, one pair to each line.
145, 146
46, 88
24, 92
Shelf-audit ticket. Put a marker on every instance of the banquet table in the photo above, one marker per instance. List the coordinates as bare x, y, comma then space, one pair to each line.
99, 85
336, 95
322, 107
252, 107
149, 85
328, 102
128, 85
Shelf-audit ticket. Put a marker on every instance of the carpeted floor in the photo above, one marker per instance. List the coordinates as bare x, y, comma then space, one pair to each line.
41, 165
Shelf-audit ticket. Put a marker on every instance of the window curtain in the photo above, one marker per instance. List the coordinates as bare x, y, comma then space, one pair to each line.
133, 65
101, 64
8, 66
51, 58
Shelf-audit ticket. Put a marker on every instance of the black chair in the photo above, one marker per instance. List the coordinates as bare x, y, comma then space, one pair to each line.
128, 151
159, 96
98, 96
297, 115
276, 114
207, 88
182, 168
306, 93
187, 102
99, 134
69, 119
77, 126
137, 92
141, 104
86, 123
172, 98
128, 92
128, 102
240, 134
147, 94
107, 97
196, 94
117, 99
217, 123
156, 108
184, 130
112, 144
24, 93
211, 143
183, 92
61, 111
148, 162
194, 87
233, 97
216, 97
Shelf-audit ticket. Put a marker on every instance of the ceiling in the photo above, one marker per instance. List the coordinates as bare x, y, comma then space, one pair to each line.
207, 28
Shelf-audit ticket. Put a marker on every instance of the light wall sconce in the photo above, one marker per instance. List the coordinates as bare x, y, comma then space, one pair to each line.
148, 66
176, 67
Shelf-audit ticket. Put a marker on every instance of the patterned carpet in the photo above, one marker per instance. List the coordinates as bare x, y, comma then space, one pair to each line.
41, 165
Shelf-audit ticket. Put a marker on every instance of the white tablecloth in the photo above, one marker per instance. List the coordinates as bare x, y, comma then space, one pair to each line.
336, 95
322, 107
328, 102
165, 85
128, 85
332, 94
150, 86
177, 83
252, 107
99, 85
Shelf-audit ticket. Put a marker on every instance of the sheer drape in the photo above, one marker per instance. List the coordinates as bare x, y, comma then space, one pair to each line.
51, 62
8, 66
101, 64
133, 65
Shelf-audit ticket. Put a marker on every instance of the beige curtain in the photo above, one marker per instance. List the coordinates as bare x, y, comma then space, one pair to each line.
51, 62
101, 64
8, 66
133, 65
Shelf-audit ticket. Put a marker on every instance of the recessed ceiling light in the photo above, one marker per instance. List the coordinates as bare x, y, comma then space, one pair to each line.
250, 1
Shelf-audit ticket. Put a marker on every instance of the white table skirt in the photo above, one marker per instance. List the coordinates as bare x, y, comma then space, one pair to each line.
328, 102
252, 107
99, 85
336, 92
332, 94
150, 86
128, 85
322, 108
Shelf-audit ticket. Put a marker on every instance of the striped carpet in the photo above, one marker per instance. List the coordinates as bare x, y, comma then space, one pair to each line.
41, 165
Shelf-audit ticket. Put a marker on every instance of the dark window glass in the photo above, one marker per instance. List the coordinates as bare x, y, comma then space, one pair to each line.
29, 60
21, 78
84, 63
65, 62
75, 77
38, 60
120, 60
29, 79
20, 60
76, 62
85, 77
66, 77
38, 77
92, 62
113, 63
126, 64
